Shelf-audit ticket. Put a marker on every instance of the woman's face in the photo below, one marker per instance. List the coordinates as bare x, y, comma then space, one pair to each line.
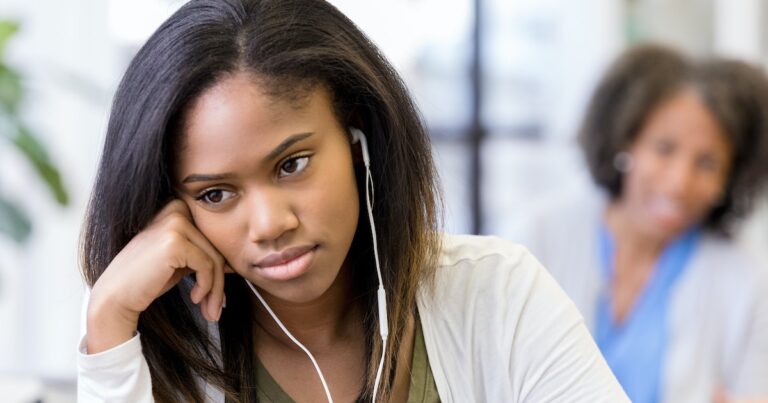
680, 164
270, 182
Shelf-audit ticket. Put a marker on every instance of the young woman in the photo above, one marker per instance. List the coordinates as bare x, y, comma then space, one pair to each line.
266, 200
680, 149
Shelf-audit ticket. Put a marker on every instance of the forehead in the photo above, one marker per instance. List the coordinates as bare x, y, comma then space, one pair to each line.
244, 99
242, 116
685, 116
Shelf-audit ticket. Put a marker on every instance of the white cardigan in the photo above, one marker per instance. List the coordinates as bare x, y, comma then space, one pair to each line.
497, 328
718, 319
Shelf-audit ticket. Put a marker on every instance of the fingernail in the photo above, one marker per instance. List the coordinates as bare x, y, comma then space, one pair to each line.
224, 304
196, 295
221, 308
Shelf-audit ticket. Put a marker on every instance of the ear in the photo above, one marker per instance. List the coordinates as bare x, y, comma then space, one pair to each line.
359, 137
357, 153
623, 161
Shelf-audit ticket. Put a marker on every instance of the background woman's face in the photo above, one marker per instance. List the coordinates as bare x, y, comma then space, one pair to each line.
681, 162
270, 182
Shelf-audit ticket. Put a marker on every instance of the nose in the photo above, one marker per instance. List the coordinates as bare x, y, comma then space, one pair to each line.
270, 217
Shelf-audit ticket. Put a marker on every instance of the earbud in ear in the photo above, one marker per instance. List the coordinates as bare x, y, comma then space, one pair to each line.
359, 137
356, 134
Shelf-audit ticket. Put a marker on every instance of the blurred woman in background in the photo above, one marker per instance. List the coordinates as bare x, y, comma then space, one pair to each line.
679, 150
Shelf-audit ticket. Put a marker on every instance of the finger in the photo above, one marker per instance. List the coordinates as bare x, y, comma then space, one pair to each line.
215, 299
177, 276
175, 206
198, 239
205, 311
210, 308
209, 287
195, 259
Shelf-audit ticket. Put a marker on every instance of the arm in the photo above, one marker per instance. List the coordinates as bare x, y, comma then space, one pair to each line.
119, 374
111, 366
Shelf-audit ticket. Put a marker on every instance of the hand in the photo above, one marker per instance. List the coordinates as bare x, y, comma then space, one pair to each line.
153, 262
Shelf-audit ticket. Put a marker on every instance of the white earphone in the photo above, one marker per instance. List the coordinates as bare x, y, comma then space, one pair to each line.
357, 137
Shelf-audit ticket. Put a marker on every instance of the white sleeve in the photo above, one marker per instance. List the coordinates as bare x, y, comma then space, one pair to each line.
554, 356
119, 374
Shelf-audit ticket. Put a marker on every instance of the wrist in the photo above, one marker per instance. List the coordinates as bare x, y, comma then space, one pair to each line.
108, 325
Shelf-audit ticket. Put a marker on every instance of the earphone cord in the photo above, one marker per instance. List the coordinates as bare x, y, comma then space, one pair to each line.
381, 295
293, 339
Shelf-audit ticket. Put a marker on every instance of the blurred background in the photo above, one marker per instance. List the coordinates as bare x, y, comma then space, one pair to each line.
502, 85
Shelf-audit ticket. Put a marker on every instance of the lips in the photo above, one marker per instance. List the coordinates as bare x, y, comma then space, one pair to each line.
287, 264
668, 211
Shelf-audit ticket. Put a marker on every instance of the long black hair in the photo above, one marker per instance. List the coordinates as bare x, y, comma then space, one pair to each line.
291, 46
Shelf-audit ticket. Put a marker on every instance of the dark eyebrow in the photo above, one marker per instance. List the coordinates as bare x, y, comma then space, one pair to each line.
272, 155
205, 178
287, 143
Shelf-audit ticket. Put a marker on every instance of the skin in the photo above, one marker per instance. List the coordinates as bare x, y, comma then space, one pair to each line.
681, 161
267, 190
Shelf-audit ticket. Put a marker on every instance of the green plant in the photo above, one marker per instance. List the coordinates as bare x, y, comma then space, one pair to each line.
14, 222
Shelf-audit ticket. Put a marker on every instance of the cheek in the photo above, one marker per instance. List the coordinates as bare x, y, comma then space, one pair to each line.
335, 203
647, 170
219, 232
637, 180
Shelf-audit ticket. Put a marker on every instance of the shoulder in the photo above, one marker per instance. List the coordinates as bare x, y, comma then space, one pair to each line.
491, 274
482, 259
721, 270
725, 261
460, 250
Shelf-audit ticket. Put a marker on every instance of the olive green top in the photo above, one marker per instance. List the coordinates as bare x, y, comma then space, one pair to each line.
421, 390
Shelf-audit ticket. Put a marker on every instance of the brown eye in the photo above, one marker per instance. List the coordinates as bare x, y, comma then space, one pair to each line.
664, 147
707, 163
215, 197
293, 166
290, 166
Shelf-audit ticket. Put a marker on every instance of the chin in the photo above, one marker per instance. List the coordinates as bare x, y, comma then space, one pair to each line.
296, 291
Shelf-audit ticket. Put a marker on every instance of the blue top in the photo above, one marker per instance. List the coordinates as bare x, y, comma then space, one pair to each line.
634, 348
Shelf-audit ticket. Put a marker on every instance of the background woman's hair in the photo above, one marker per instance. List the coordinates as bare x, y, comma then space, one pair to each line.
736, 93
641, 79
291, 47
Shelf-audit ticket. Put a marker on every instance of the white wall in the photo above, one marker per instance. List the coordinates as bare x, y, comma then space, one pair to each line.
739, 29
65, 55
